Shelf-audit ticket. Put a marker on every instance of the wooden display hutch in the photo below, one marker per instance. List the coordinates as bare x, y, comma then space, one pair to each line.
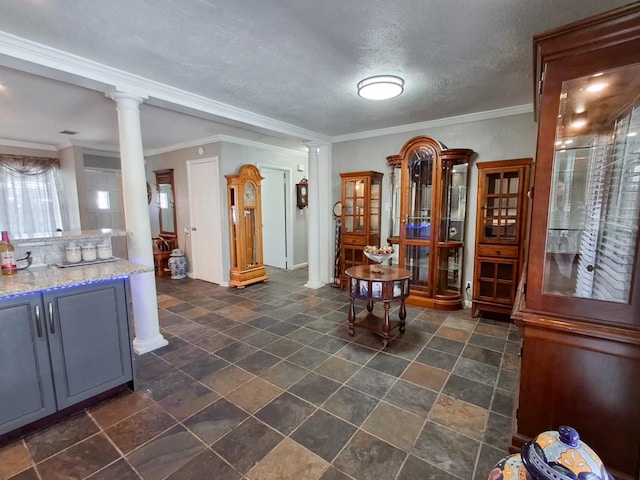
245, 227
580, 317
428, 209
501, 221
359, 219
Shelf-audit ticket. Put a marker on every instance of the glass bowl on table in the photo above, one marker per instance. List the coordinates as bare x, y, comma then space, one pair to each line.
379, 255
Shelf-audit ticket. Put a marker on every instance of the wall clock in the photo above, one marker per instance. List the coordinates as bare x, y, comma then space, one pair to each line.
302, 195
337, 209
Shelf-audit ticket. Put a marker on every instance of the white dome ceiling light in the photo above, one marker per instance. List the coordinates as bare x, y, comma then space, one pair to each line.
381, 87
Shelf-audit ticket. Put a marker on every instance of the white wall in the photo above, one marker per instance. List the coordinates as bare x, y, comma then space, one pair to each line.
494, 139
235, 155
231, 156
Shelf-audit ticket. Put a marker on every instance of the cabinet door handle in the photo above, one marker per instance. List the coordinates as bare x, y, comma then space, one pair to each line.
38, 321
52, 327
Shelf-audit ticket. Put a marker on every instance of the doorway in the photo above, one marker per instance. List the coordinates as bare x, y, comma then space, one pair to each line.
274, 216
203, 179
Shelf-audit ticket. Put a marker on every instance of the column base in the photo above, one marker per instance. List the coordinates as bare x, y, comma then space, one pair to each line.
314, 284
145, 346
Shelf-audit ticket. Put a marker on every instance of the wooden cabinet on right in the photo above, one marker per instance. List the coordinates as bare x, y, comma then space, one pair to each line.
580, 320
500, 233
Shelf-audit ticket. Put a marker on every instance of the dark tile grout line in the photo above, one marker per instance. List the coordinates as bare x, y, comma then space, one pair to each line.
354, 340
382, 399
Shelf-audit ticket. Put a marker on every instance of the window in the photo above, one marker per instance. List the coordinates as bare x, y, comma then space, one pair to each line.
31, 200
103, 200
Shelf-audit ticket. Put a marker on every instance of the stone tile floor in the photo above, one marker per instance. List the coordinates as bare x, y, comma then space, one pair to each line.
265, 383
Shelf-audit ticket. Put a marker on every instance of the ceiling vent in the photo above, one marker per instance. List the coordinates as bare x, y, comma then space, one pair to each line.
68, 132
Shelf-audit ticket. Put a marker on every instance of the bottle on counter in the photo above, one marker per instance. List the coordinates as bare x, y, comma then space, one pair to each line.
7, 253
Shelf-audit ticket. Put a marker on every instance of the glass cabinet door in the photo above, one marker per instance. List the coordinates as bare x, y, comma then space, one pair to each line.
353, 206
501, 194
233, 222
595, 188
419, 194
453, 208
451, 231
396, 191
374, 218
251, 244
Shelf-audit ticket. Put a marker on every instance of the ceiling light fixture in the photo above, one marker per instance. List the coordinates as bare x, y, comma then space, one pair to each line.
380, 87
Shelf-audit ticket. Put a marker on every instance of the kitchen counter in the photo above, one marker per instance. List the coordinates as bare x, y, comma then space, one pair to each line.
52, 277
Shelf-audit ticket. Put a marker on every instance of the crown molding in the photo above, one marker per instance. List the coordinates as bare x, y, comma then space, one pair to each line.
105, 78
34, 146
442, 122
222, 138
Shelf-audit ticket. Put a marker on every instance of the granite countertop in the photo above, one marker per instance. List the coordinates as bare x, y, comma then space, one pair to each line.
46, 278
67, 236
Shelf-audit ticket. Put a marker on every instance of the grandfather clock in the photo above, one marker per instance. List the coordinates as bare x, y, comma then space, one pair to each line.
245, 227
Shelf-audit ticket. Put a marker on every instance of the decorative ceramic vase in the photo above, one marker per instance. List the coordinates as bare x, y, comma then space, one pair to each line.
553, 455
177, 264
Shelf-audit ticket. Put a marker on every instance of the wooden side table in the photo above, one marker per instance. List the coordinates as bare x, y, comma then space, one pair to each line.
161, 262
392, 285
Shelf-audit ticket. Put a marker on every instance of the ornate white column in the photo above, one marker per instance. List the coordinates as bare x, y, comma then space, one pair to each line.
313, 220
326, 225
134, 190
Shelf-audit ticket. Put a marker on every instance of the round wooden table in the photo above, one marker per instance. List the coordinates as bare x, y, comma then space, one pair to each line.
392, 285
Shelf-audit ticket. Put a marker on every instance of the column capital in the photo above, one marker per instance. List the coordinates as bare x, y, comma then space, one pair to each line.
119, 96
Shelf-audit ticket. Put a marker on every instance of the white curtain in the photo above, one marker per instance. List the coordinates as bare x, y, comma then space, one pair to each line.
31, 200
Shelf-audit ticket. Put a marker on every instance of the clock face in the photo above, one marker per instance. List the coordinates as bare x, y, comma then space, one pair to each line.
249, 195
303, 190
337, 209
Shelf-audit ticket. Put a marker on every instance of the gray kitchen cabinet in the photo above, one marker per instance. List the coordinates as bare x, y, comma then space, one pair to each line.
26, 384
61, 347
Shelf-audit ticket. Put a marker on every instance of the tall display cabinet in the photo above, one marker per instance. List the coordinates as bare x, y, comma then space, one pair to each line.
245, 227
501, 220
428, 209
580, 315
359, 219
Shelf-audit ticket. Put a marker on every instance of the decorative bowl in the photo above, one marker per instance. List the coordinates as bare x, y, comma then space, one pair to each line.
379, 259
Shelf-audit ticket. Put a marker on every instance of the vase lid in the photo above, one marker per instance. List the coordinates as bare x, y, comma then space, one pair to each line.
561, 455
176, 252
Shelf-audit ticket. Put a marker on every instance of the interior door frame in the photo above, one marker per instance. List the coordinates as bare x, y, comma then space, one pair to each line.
218, 228
289, 211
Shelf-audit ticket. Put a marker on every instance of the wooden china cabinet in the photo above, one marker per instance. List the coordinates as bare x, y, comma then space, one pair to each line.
501, 220
428, 209
580, 314
359, 219
245, 227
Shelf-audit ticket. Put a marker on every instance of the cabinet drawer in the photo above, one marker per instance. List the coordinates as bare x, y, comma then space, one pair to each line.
510, 251
354, 240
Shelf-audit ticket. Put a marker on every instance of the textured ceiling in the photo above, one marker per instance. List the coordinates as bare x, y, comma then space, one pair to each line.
294, 61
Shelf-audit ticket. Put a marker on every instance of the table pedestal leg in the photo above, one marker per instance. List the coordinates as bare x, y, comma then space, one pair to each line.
385, 325
402, 315
369, 306
352, 316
